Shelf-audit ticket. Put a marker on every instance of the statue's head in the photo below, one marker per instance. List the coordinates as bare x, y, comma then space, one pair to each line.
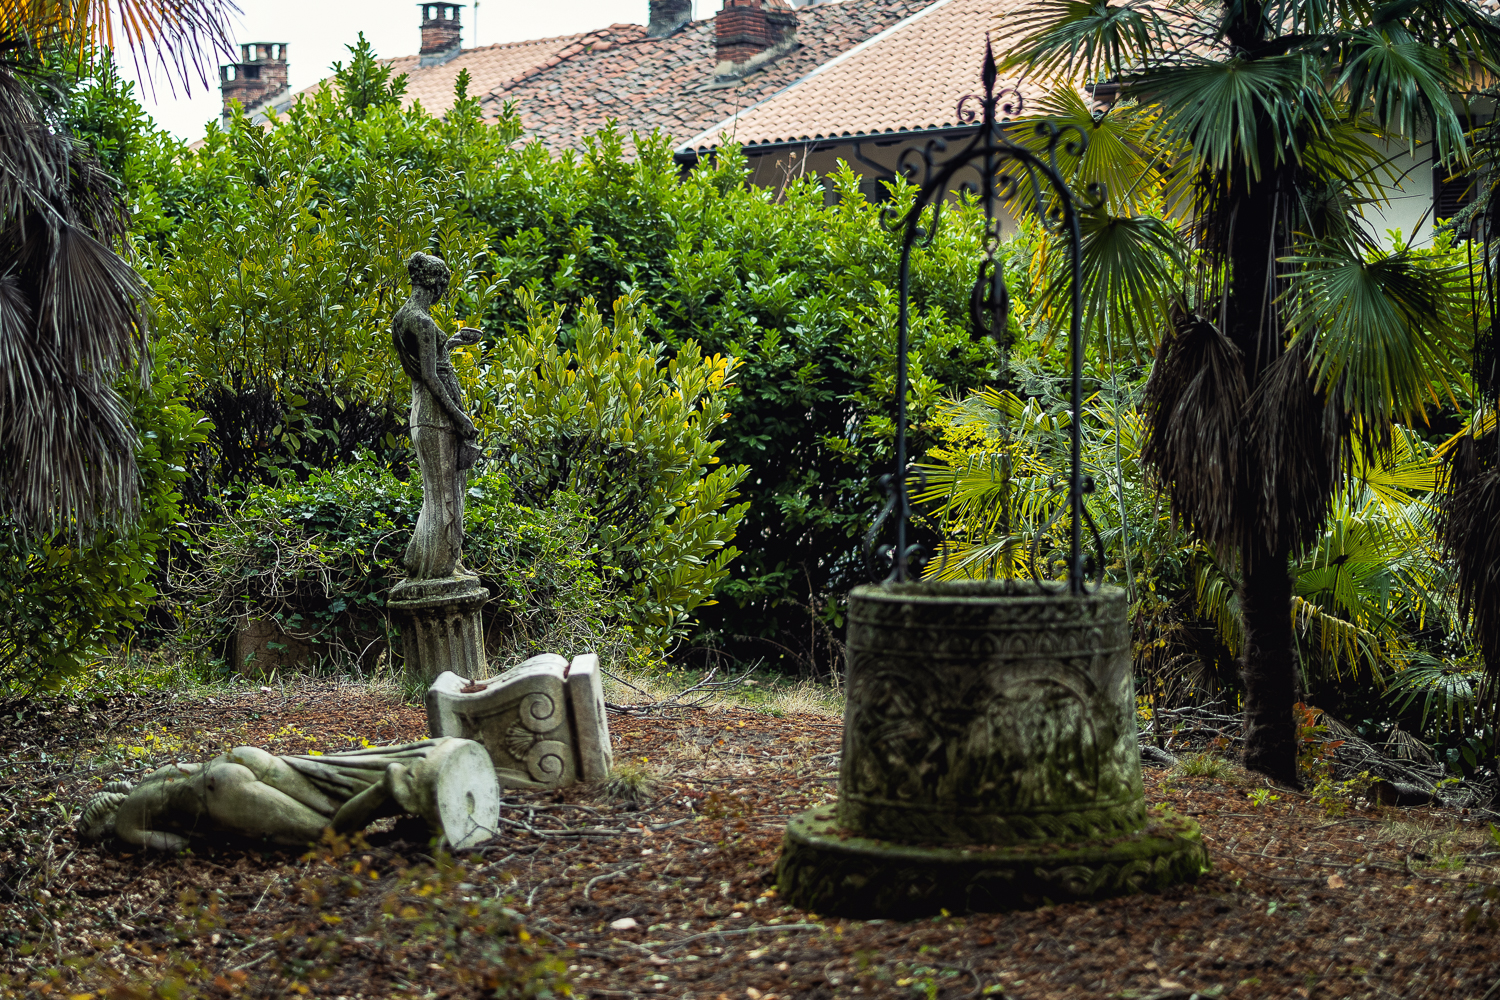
98, 817
428, 272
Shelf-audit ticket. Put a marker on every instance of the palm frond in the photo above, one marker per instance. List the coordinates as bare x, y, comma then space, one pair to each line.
1465, 29
1124, 153
1195, 406
993, 559
1385, 340
1132, 269
1073, 39
71, 321
1405, 83
1393, 474
1219, 108
1217, 600
1341, 642
1447, 695
179, 34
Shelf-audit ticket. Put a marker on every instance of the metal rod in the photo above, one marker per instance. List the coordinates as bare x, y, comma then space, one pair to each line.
1075, 480
903, 511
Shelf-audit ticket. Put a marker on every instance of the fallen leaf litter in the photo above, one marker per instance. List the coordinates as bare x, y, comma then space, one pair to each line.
677, 898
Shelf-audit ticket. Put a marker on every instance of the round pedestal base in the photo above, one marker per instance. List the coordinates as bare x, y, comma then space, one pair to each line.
825, 869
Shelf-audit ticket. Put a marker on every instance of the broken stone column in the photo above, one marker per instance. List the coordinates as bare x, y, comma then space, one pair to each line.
543, 722
590, 723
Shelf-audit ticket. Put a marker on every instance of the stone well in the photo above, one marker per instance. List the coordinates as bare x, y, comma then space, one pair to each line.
989, 760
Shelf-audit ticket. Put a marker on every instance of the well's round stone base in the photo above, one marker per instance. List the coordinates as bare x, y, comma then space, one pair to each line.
825, 869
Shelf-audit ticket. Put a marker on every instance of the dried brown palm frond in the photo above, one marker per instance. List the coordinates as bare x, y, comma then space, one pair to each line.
1195, 413
1470, 533
178, 33
71, 321
1295, 436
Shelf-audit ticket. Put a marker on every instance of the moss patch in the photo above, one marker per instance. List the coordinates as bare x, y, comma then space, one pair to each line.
826, 869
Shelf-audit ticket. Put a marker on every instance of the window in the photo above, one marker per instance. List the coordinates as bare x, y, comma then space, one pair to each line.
1451, 194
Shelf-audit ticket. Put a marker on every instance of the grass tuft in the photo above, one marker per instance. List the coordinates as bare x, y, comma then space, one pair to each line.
629, 784
1205, 765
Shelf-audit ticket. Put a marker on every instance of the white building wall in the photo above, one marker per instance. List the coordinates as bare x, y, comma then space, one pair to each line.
1409, 205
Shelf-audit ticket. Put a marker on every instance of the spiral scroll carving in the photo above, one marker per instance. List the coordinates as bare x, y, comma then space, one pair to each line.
526, 735
540, 713
547, 760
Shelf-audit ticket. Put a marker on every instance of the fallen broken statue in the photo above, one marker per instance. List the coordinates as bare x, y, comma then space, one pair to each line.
293, 799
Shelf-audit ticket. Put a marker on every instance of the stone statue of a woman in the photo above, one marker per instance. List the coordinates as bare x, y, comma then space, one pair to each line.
441, 432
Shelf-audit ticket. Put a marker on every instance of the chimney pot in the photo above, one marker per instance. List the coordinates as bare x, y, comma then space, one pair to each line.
668, 16
257, 79
441, 32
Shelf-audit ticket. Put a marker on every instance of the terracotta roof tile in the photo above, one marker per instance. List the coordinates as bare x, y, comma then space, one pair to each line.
490, 68
667, 83
907, 78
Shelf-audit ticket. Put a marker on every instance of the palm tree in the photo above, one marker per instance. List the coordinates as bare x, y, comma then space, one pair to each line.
71, 307
1469, 514
1297, 334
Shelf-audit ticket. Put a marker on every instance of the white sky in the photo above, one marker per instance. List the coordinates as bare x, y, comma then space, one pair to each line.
316, 32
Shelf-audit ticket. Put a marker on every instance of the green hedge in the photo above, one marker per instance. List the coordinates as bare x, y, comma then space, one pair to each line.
320, 557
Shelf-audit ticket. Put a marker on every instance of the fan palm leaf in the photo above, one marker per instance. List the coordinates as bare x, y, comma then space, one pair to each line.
1387, 328
1080, 40
178, 33
1132, 254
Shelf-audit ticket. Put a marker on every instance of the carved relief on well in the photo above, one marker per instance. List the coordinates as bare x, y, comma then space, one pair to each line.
968, 724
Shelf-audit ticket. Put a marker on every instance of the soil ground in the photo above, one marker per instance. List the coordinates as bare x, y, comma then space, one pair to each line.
674, 897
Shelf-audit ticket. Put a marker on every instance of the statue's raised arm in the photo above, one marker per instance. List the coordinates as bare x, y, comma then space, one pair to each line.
442, 434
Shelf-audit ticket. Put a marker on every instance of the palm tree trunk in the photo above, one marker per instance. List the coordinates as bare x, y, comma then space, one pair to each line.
1269, 667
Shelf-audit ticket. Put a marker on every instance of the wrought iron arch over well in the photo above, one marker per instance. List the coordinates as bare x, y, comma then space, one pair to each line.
990, 755
994, 170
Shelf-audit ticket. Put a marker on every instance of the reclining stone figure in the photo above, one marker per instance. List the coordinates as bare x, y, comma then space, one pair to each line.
292, 799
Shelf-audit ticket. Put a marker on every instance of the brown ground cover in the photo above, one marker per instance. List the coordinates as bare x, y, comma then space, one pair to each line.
676, 898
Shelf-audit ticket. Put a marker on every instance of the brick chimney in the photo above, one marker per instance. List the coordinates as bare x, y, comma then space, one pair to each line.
257, 79
441, 32
751, 33
667, 16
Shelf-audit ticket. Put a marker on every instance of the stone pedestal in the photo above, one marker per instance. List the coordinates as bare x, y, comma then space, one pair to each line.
542, 722
442, 625
989, 759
